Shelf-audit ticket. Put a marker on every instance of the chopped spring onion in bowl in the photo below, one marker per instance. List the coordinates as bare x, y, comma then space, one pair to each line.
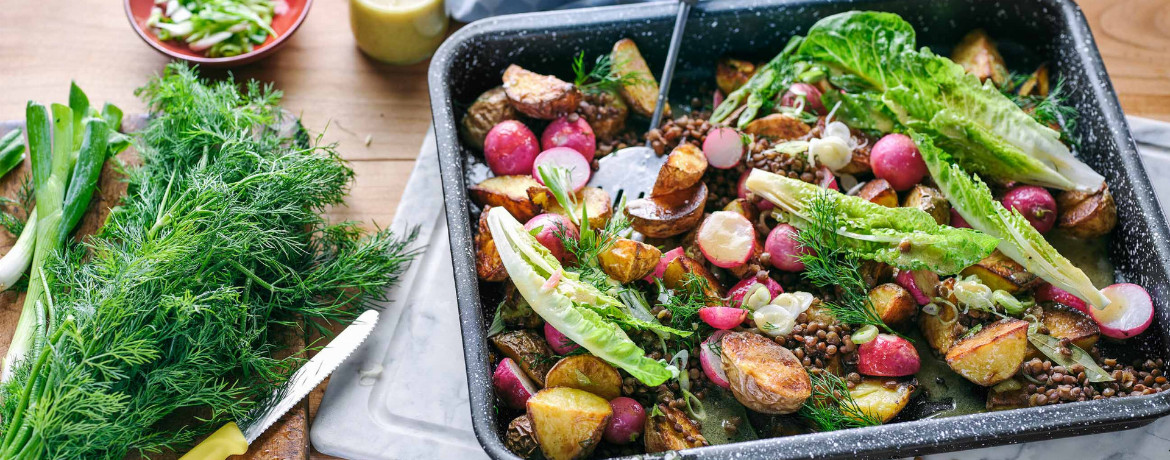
216, 28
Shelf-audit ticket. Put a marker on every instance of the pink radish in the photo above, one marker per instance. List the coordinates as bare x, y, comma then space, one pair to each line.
627, 422
716, 98
812, 97
748, 286
957, 220
572, 132
1129, 313
887, 355
567, 158
726, 239
722, 317
828, 180
1049, 293
896, 159
782, 247
559, 343
922, 284
512, 386
509, 148
552, 228
666, 259
712, 362
1034, 203
724, 147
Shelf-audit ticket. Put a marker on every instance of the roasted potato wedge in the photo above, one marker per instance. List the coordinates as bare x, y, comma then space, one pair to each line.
941, 330
520, 438
879, 191
683, 169
875, 399
778, 126
587, 373
511, 192
1066, 323
731, 73
993, 354
597, 204
489, 108
998, 271
668, 215
671, 429
1037, 83
568, 423
640, 91
627, 260
820, 313
765, 377
529, 350
893, 303
539, 96
488, 265
678, 272
875, 273
931, 200
1086, 215
605, 111
744, 208
979, 56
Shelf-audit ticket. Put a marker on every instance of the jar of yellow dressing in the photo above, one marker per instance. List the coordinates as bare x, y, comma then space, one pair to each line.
398, 31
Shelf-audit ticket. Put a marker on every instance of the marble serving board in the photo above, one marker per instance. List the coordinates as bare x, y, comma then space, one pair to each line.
403, 394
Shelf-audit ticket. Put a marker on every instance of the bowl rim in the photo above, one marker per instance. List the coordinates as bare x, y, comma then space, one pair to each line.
154, 41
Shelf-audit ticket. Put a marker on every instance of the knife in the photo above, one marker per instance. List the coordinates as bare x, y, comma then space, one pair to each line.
234, 439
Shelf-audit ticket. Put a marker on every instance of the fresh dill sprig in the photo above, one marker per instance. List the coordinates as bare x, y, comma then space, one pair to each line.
22, 204
601, 76
1049, 110
831, 407
685, 302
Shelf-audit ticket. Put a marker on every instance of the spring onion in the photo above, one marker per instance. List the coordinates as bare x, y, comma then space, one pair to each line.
218, 28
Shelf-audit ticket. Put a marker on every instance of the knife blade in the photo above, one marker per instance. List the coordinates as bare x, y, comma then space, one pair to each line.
233, 439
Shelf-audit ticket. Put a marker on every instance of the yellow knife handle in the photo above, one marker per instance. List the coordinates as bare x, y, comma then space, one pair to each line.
225, 442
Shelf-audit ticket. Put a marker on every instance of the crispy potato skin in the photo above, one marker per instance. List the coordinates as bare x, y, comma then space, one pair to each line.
778, 126
539, 96
731, 73
640, 92
683, 169
993, 354
931, 200
1086, 215
879, 191
941, 330
979, 56
605, 111
875, 273
568, 423
528, 349
627, 260
520, 438
672, 430
1066, 323
998, 271
668, 215
676, 274
765, 377
488, 265
489, 108
596, 201
875, 399
586, 373
511, 192
893, 303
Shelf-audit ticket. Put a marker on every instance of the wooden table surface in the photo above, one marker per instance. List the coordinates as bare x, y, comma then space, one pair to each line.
46, 43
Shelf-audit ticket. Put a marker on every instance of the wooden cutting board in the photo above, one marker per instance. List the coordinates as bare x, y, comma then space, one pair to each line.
287, 439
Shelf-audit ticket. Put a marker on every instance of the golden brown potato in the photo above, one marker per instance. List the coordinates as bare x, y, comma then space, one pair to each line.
998, 271
627, 260
1086, 215
931, 200
875, 399
668, 215
568, 422
670, 429
529, 350
678, 272
879, 191
597, 203
605, 111
1036, 83
893, 303
941, 330
587, 373
820, 313
979, 56
539, 96
520, 438
1066, 323
778, 126
875, 273
511, 192
993, 354
640, 89
744, 208
731, 73
489, 108
683, 169
488, 265
765, 377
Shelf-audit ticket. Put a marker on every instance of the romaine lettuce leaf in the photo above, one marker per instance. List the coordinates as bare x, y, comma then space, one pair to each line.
907, 238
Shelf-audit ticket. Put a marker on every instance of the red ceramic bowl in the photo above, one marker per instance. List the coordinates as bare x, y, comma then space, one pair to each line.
138, 11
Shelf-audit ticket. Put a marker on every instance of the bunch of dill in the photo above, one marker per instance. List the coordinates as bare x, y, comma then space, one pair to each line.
172, 309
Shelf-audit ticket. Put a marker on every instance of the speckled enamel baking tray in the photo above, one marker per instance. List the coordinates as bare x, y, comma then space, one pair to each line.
1029, 32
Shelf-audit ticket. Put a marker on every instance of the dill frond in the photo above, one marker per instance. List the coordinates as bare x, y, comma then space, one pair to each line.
831, 407
601, 76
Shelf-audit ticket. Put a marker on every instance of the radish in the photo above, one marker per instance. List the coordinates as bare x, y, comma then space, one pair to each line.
726, 239
896, 159
922, 284
712, 362
551, 228
1034, 203
1049, 293
812, 97
723, 317
510, 148
567, 158
750, 289
560, 344
512, 386
1129, 313
957, 220
572, 132
783, 249
888, 355
829, 180
627, 422
716, 98
666, 259
724, 147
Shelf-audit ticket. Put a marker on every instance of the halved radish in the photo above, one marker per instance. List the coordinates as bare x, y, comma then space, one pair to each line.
666, 259
559, 343
1049, 293
567, 158
726, 239
724, 147
722, 317
1129, 313
711, 361
512, 385
922, 284
747, 289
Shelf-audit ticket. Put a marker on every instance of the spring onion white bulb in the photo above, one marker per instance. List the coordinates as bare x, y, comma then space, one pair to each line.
16, 261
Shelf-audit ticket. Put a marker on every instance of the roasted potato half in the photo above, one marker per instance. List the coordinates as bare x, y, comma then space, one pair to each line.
626, 260
998, 271
520, 438
683, 169
879, 191
931, 200
979, 56
539, 96
640, 89
488, 265
1066, 323
605, 111
489, 108
765, 377
668, 215
941, 330
875, 273
1086, 215
597, 204
991, 355
511, 192
731, 73
744, 208
875, 399
671, 429
587, 373
778, 126
893, 303
529, 350
678, 272
568, 423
